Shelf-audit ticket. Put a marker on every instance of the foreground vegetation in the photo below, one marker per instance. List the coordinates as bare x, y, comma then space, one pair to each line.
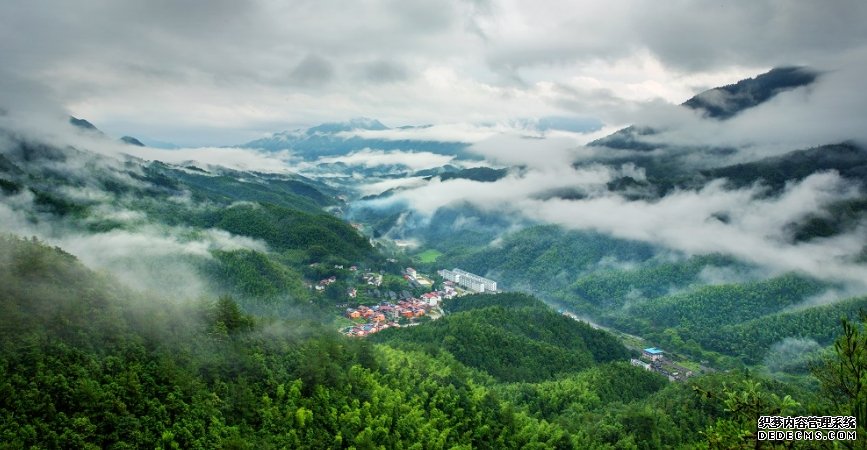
87, 363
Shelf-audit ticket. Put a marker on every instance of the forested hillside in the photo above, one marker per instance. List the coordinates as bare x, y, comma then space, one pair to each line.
511, 342
544, 258
181, 229
711, 307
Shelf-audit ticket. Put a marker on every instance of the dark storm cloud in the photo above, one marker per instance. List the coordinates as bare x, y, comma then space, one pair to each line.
687, 35
313, 70
765, 32
384, 71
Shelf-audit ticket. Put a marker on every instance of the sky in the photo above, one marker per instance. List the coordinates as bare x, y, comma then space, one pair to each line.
222, 72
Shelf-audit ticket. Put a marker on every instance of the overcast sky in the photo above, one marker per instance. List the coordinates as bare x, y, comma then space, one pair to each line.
221, 72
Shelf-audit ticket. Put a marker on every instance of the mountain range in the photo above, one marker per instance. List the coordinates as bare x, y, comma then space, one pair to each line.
189, 304
339, 138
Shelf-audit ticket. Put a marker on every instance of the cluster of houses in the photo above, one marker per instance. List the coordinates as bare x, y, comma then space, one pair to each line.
372, 279
368, 328
387, 314
653, 359
325, 282
394, 308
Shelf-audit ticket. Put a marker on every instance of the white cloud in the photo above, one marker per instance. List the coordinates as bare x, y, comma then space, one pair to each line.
373, 158
379, 187
831, 110
454, 132
161, 259
235, 70
755, 232
494, 195
233, 158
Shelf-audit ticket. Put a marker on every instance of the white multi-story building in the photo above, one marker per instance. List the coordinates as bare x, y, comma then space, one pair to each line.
448, 275
469, 280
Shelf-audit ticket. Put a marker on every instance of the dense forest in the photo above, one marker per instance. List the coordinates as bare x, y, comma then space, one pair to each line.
88, 363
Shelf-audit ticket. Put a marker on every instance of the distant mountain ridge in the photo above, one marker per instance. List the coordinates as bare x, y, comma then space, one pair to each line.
86, 125
358, 123
326, 140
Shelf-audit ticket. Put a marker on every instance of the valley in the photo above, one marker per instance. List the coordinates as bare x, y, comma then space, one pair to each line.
484, 229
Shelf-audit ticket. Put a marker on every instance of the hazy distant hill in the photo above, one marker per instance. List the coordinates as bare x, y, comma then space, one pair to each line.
331, 139
132, 141
83, 124
847, 159
484, 174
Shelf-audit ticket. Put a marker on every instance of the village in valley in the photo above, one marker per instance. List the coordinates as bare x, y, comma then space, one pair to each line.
379, 300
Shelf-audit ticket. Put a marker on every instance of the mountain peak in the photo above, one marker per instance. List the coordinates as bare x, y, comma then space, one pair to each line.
83, 124
727, 101
132, 141
366, 123
359, 123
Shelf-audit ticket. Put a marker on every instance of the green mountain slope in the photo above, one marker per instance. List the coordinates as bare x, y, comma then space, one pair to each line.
544, 258
85, 363
528, 343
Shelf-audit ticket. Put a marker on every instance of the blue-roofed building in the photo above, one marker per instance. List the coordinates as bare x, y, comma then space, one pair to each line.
653, 353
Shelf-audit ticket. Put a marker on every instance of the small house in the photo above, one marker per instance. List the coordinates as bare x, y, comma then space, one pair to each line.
653, 353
